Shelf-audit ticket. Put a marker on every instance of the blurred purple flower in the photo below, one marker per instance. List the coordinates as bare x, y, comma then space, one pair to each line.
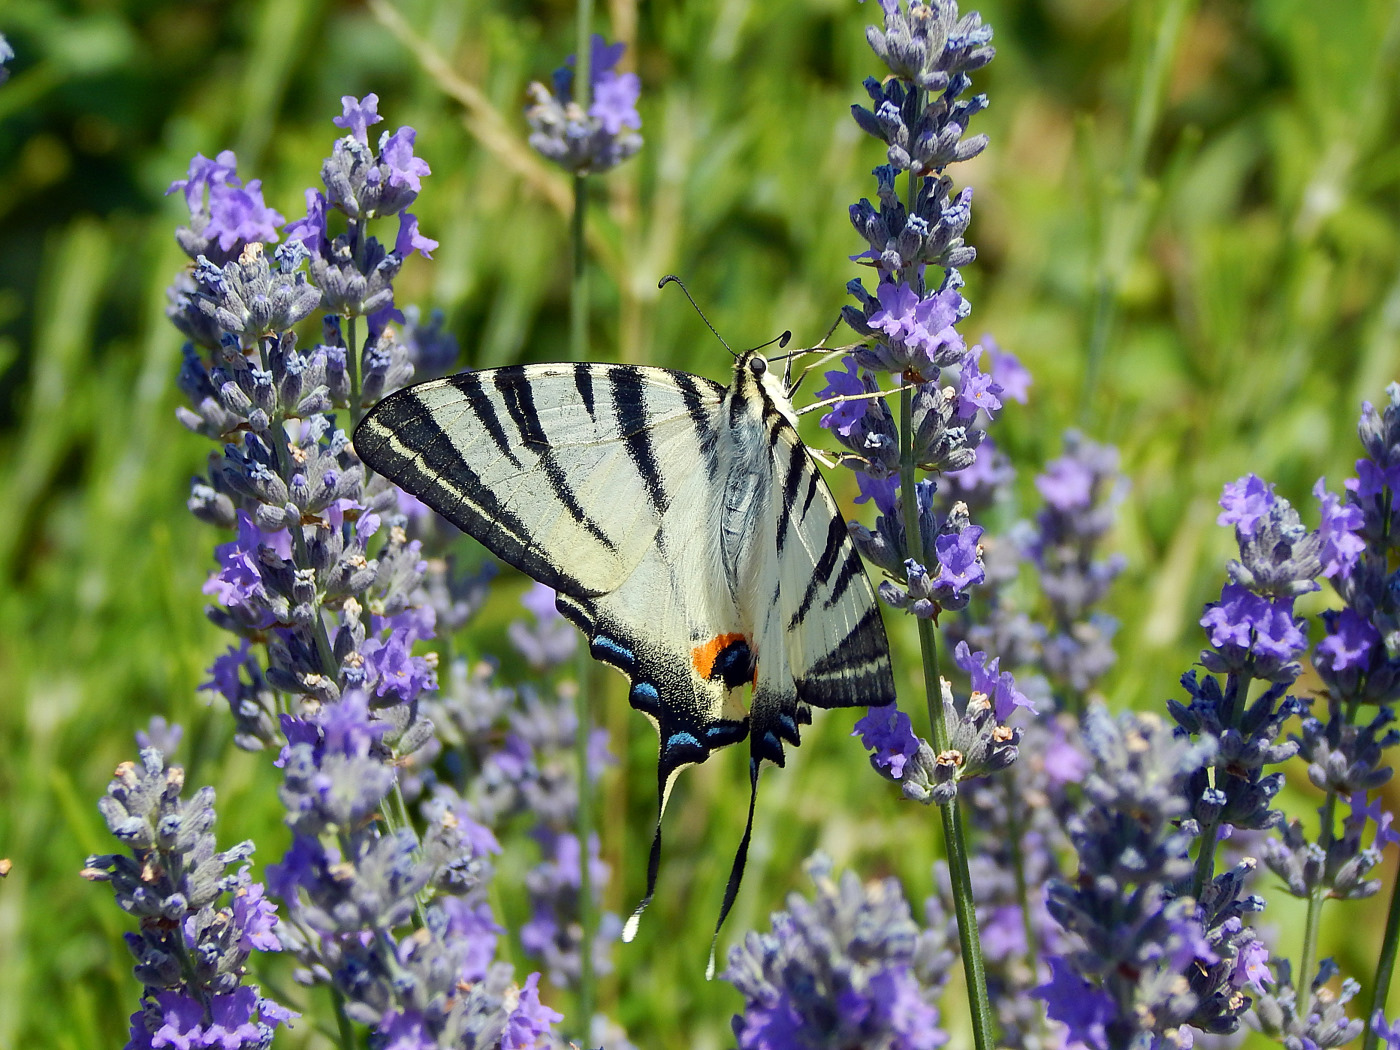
358, 115
1245, 502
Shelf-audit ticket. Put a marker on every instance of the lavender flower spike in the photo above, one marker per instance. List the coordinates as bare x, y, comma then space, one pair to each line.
595, 141
848, 968
198, 922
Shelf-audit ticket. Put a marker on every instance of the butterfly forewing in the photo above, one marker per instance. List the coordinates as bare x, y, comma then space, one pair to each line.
564, 471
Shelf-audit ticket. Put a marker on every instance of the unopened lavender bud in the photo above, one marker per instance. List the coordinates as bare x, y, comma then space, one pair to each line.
211, 507
234, 400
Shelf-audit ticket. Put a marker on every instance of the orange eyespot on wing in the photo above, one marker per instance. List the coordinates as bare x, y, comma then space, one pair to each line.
724, 658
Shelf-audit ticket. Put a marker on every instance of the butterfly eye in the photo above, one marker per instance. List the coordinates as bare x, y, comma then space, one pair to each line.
758, 365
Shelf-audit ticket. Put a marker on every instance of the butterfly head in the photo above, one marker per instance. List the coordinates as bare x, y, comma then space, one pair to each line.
753, 374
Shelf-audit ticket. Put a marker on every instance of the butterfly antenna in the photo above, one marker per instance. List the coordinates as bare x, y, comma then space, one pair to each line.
736, 873
672, 278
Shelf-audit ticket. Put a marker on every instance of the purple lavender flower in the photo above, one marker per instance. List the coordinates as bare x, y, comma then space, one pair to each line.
1085, 1010
602, 138
996, 685
1245, 503
1161, 958
849, 968
548, 642
530, 1019
615, 101
1341, 546
7, 54
845, 384
1390, 1033
225, 215
553, 933
358, 115
193, 945
1007, 371
1244, 620
888, 733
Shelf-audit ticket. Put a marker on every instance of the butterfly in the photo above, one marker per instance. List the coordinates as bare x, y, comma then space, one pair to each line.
685, 529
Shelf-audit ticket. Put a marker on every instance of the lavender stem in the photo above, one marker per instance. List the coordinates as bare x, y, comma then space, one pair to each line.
955, 843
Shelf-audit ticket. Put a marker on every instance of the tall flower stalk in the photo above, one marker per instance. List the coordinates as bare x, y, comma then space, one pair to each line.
326, 592
586, 125
908, 328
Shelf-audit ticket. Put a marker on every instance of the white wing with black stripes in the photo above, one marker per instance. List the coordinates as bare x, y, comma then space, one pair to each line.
685, 528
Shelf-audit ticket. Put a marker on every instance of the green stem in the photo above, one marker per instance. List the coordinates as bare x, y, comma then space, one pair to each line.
582, 89
352, 362
342, 1022
954, 839
578, 348
1018, 870
578, 291
1205, 859
1314, 919
1385, 967
587, 919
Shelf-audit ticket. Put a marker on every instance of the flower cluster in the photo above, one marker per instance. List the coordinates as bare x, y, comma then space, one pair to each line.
538, 762
979, 740
848, 968
327, 594
1019, 817
199, 921
605, 135
1061, 653
931, 555
1149, 958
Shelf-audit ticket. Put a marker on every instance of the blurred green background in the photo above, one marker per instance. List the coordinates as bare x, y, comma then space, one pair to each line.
1188, 225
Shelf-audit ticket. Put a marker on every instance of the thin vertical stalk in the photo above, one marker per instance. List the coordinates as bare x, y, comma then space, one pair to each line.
578, 349
954, 839
1313, 924
586, 911
1385, 968
1121, 232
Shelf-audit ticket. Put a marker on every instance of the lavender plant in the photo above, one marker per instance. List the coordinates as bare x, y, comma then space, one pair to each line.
327, 594
848, 968
587, 125
1020, 816
1175, 912
199, 922
908, 329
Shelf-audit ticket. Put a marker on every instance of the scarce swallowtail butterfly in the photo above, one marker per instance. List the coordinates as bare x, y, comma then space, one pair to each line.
685, 528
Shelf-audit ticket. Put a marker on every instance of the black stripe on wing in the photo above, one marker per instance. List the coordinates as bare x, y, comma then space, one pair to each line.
799, 466
837, 540
400, 429
629, 405
514, 388
469, 383
856, 672
583, 383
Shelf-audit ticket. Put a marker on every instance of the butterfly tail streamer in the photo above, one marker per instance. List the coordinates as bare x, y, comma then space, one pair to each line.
629, 929
736, 873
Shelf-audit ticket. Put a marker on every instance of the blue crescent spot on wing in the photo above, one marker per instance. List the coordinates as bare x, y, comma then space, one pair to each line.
722, 733
681, 743
614, 652
644, 697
